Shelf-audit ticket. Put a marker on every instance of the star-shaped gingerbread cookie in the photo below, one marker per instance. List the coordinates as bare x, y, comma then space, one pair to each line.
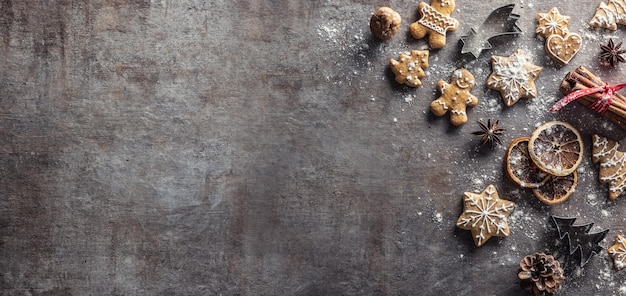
551, 23
618, 252
485, 215
514, 77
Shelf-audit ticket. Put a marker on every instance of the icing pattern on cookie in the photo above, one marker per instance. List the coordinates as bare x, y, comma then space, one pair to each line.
609, 15
436, 20
410, 68
514, 77
485, 214
455, 96
563, 48
618, 252
612, 164
551, 23
462, 82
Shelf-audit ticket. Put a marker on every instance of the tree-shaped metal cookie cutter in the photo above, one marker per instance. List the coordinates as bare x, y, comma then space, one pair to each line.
578, 241
501, 22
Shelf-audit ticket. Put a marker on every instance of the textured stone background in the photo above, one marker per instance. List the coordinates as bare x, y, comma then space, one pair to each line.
165, 147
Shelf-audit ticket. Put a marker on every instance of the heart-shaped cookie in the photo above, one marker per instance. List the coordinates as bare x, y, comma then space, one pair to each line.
563, 49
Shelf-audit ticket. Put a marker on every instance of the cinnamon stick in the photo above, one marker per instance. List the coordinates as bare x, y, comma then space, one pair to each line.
582, 78
614, 114
589, 80
597, 81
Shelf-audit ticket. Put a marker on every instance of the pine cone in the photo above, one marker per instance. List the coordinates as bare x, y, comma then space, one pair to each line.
541, 274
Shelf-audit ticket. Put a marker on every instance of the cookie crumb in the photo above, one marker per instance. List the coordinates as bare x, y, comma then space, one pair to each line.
438, 217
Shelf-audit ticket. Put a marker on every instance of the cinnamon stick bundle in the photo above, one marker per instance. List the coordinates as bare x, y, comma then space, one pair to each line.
582, 78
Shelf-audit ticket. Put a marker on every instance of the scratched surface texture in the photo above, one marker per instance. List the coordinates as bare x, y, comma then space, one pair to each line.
194, 147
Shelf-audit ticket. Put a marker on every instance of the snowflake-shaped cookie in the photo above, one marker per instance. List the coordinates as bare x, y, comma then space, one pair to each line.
552, 22
618, 252
514, 77
410, 69
485, 215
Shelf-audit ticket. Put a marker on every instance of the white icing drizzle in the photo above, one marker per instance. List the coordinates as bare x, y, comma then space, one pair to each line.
609, 15
611, 160
489, 215
462, 82
563, 54
513, 76
443, 104
555, 23
431, 19
618, 252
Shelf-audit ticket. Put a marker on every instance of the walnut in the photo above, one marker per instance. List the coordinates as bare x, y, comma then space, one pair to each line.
541, 274
385, 23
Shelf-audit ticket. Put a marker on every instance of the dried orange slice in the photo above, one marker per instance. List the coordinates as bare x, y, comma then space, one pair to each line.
557, 189
556, 148
520, 168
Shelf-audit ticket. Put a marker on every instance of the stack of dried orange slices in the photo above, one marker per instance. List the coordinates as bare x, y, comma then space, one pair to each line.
546, 162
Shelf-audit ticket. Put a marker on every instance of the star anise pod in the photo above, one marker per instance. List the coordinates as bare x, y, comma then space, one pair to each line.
489, 133
611, 54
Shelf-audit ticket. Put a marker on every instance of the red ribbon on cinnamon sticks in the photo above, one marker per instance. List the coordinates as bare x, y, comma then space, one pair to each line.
600, 105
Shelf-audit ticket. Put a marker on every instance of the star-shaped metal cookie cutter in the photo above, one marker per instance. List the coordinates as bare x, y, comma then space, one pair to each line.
578, 241
501, 22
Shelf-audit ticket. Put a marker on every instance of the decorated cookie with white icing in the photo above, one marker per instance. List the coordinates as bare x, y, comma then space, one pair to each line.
409, 69
609, 15
455, 97
563, 49
561, 44
617, 252
435, 21
485, 215
612, 164
552, 22
514, 77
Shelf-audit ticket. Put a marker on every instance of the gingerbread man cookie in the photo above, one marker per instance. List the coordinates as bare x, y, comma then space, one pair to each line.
455, 97
410, 69
435, 22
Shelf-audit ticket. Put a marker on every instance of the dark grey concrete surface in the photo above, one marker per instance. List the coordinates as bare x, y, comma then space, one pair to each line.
195, 147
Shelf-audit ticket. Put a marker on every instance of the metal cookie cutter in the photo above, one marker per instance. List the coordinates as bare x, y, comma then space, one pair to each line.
501, 22
578, 241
